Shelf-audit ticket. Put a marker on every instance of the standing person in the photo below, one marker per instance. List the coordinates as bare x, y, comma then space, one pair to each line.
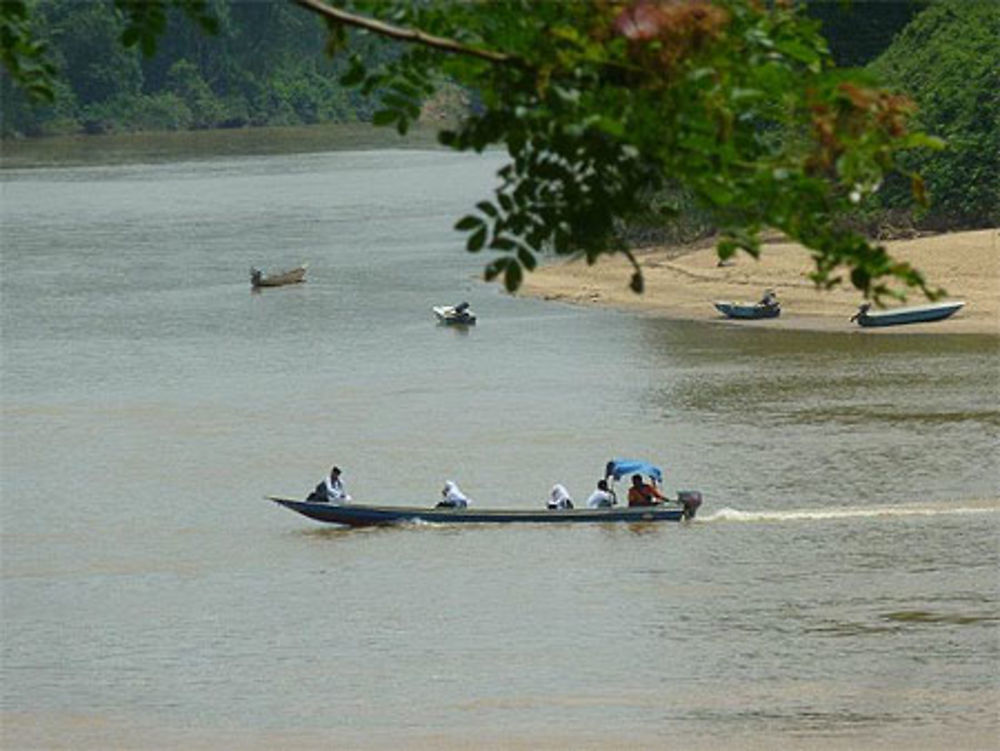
643, 494
331, 490
452, 497
559, 497
602, 497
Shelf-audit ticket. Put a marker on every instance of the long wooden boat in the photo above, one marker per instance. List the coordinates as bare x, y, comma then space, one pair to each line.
747, 310
356, 515
292, 276
898, 316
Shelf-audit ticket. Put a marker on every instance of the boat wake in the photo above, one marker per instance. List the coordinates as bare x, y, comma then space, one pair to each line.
821, 514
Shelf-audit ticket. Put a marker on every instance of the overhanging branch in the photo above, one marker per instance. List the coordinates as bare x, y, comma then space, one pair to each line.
414, 36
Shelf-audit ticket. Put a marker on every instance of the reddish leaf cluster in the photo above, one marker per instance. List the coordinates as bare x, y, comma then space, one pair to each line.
666, 32
854, 109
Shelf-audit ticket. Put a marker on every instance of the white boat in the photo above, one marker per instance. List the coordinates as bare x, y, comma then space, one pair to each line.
460, 314
914, 314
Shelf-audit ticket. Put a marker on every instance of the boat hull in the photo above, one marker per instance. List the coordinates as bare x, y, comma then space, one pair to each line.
902, 316
354, 515
747, 311
449, 317
292, 276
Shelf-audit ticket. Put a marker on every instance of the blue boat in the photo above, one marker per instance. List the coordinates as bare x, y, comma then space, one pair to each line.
898, 316
359, 515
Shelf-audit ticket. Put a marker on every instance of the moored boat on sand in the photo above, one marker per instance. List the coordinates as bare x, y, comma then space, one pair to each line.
767, 307
898, 316
747, 310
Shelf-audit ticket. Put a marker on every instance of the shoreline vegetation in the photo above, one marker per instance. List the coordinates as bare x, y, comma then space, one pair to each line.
158, 146
683, 281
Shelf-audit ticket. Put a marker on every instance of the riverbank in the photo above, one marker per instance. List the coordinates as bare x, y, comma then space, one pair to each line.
153, 147
682, 282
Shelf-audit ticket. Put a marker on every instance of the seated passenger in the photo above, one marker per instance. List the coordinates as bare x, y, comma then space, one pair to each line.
331, 490
643, 494
602, 497
769, 300
559, 498
452, 497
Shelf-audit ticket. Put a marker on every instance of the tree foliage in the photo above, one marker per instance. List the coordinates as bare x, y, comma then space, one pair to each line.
948, 61
606, 108
600, 105
261, 64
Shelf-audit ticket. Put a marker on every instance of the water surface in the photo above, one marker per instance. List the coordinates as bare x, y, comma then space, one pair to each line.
839, 588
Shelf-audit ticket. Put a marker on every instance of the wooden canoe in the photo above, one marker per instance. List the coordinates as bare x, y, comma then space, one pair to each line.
292, 276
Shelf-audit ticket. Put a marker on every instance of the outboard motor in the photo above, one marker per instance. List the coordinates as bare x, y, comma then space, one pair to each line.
690, 500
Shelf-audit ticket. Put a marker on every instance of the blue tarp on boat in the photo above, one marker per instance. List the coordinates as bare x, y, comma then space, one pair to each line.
618, 468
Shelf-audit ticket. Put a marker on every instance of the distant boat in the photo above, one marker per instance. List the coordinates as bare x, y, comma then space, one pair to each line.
898, 316
768, 307
292, 276
460, 314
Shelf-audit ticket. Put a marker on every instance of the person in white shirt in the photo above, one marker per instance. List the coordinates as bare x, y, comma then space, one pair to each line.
602, 497
331, 490
452, 497
334, 486
559, 498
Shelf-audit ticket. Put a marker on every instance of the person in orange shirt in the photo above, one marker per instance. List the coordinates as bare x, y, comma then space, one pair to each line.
643, 494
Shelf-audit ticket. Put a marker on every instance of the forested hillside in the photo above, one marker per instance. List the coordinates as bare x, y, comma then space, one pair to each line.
266, 66
948, 61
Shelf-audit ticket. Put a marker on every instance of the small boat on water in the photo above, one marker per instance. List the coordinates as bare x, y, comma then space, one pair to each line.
898, 316
767, 307
359, 515
259, 279
460, 314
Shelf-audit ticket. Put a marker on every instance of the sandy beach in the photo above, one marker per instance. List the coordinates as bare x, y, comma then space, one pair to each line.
682, 282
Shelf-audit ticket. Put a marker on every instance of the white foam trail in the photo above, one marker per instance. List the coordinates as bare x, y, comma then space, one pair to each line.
735, 515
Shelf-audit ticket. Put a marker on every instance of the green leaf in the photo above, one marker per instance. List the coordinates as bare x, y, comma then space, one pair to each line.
476, 240
495, 268
488, 208
355, 74
527, 259
637, 284
385, 117
503, 243
468, 223
512, 275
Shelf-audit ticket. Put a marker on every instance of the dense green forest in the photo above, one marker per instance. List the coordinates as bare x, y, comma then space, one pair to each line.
267, 65
948, 61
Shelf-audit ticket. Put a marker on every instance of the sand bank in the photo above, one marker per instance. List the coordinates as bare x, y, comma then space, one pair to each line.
682, 282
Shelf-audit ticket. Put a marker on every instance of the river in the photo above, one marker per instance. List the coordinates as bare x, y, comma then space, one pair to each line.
838, 590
